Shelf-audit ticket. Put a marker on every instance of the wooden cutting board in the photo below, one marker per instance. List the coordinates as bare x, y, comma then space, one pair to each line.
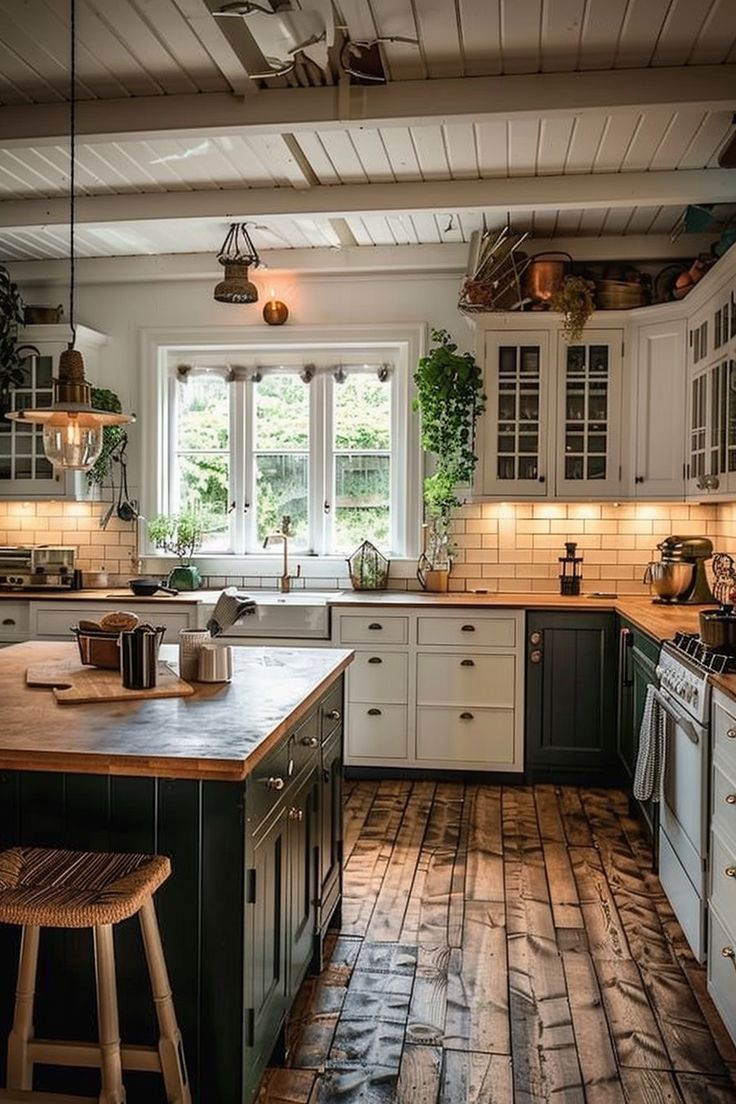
74, 684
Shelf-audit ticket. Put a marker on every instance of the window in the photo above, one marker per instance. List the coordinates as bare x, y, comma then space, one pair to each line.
248, 435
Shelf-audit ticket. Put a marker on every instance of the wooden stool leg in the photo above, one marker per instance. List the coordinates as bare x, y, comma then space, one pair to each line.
112, 1091
170, 1048
20, 1069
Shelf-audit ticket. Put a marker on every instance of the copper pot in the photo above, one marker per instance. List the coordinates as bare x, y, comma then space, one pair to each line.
544, 275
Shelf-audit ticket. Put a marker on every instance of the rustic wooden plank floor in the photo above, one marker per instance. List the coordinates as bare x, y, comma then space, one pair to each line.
502, 946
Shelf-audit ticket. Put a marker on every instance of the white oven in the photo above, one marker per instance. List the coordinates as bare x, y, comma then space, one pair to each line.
684, 696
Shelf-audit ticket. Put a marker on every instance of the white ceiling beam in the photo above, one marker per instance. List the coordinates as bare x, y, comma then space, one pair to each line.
586, 190
450, 259
404, 103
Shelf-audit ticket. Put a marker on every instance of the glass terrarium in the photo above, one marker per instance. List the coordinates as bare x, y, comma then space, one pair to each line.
368, 568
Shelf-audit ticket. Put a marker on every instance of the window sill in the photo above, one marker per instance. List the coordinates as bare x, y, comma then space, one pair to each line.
316, 569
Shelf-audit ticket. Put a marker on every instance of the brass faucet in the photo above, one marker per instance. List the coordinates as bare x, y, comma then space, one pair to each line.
283, 536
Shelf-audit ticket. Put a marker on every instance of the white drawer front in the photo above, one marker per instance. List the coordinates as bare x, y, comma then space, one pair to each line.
376, 732
723, 877
722, 970
376, 629
482, 736
724, 804
466, 680
13, 620
468, 631
378, 677
55, 621
724, 734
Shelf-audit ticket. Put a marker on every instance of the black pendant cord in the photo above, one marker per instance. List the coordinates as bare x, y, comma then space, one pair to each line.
72, 136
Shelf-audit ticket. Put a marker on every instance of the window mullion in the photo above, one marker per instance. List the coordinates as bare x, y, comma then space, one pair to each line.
237, 468
248, 504
317, 449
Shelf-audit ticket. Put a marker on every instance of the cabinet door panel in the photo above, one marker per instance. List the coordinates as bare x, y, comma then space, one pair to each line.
513, 432
468, 631
378, 677
660, 411
303, 849
466, 680
377, 732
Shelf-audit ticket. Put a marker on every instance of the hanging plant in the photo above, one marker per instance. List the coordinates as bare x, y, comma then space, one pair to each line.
102, 399
575, 302
12, 355
450, 399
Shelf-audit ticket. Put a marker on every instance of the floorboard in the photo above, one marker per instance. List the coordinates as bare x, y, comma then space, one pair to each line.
502, 946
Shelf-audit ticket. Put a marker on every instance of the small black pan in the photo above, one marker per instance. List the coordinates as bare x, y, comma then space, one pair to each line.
146, 588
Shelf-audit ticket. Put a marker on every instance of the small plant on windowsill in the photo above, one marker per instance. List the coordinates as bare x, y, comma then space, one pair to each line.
450, 399
181, 534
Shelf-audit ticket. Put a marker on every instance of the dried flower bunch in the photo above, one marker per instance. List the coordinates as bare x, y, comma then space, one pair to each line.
575, 302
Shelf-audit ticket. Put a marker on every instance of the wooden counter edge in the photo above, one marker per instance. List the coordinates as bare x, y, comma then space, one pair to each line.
152, 766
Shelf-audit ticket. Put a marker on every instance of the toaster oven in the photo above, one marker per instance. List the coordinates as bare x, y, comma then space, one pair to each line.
38, 567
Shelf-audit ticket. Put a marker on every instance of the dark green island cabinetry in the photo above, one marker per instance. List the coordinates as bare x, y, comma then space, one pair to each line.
570, 731
637, 664
240, 785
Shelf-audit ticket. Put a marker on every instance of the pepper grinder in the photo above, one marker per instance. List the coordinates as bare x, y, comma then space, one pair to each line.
571, 574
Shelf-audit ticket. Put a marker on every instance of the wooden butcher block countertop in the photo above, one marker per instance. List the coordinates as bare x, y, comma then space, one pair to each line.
222, 731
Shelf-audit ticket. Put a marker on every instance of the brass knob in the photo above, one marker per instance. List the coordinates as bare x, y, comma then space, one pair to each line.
731, 733
535, 656
333, 715
731, 799
296, 814
275, 783
730, 871
310, 741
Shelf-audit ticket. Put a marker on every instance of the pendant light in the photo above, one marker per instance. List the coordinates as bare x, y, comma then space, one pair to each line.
236, 254
72, 427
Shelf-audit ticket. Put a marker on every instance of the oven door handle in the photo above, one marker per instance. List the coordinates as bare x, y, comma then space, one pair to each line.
677, 716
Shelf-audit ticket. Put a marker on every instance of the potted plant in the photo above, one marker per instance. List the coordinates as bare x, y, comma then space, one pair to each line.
11, 353
575, 302
181, 534
450, 399
112, 436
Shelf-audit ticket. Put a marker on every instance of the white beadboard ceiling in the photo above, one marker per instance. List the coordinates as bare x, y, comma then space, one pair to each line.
143, 62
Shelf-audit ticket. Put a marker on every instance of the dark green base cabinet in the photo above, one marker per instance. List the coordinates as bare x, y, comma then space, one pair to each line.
637, 663
571, 698
240, 917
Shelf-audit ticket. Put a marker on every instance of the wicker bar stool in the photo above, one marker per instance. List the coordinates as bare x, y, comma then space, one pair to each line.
43, 887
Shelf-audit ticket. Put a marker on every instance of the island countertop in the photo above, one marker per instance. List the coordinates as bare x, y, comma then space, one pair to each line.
221, 732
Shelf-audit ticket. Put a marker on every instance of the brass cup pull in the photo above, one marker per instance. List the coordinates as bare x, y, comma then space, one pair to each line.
8, 621
374, 712
309, 741
375, 659
730, 871
333, 715
275, 783
466, 716
467, 663
374, 625
731, 733
731, 799
467, 628
296, 814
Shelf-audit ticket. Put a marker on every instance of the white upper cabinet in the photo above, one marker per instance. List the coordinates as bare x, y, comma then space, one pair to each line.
552, 427
657, 410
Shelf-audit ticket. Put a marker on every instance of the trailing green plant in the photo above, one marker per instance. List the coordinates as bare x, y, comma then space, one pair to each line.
12, 371
575, 302
450, 399
181, 533
112, 436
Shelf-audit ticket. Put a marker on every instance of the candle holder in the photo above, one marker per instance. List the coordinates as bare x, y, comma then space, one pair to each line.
275, 312
571, 575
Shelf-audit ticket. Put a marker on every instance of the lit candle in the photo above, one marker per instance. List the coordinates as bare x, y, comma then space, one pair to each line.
275, 312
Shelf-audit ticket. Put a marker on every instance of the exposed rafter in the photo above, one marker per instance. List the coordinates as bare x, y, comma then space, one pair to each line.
545, 193
406, 103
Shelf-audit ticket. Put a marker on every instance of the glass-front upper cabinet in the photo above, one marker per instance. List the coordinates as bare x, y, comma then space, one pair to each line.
588, 461
513, 439
711, 464
24, 470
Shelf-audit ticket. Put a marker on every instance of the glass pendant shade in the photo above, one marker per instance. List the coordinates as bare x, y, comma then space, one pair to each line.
72, 427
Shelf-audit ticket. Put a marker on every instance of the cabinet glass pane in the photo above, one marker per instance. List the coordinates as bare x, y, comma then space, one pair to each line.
518, 405
732, 415
587, 384
21, 446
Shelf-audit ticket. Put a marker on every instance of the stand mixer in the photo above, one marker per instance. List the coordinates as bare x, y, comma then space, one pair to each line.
695, 588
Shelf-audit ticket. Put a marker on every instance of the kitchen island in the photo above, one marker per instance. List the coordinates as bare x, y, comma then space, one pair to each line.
240, 785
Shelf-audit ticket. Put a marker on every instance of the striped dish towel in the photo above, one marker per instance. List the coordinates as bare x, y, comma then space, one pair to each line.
649, 771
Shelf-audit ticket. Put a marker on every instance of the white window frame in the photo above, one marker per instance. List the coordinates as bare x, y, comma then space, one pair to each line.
228, 345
